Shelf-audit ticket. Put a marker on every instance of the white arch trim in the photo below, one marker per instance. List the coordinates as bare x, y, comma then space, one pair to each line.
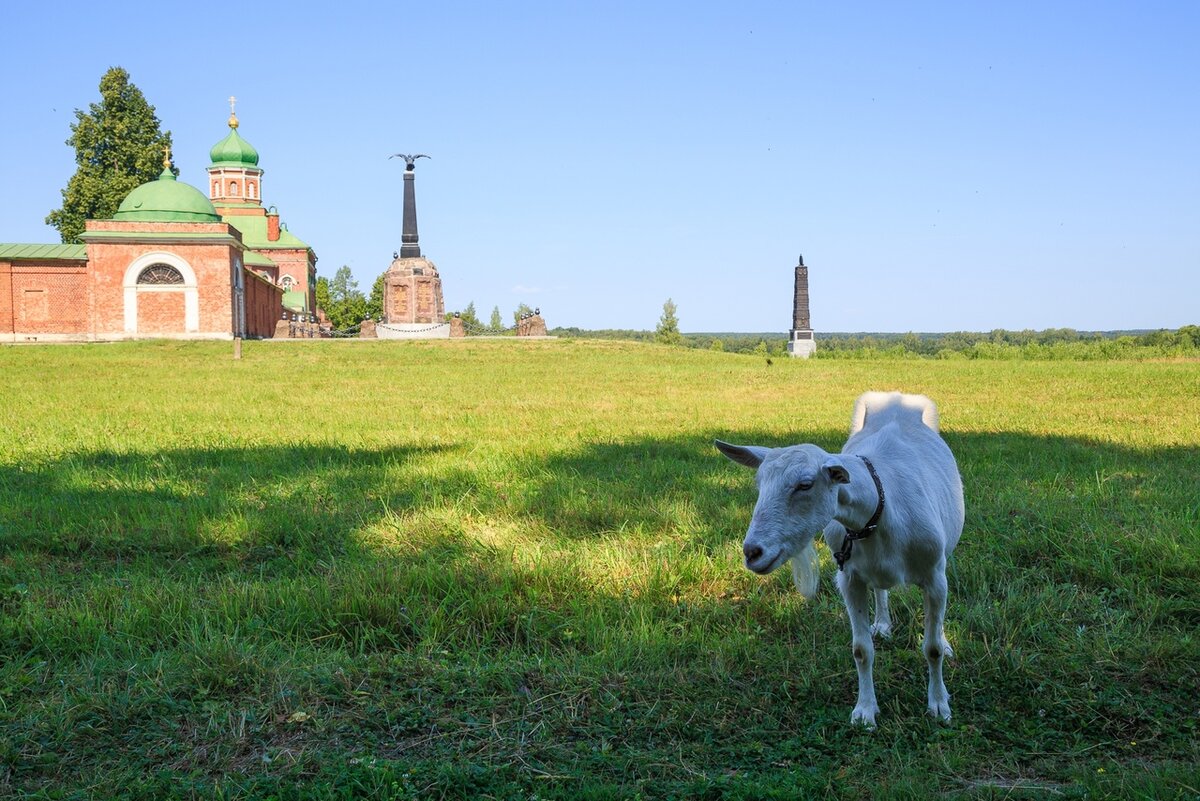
189, 288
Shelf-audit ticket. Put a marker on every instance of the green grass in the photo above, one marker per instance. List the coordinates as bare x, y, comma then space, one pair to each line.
511, 570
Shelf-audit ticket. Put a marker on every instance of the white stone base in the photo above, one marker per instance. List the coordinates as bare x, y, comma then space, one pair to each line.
412, 330
802, 348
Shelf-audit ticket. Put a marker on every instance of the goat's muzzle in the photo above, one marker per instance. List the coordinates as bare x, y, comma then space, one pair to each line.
759, 561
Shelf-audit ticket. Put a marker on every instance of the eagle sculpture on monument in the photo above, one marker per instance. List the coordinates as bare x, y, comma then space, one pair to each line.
410, 162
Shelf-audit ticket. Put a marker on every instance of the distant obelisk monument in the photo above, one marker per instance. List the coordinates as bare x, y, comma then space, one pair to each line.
801, 342
412, 288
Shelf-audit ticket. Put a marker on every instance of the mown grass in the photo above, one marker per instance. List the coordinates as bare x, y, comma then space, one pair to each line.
511, 570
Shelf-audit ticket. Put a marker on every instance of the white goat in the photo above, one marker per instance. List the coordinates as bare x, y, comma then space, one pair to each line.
891, 508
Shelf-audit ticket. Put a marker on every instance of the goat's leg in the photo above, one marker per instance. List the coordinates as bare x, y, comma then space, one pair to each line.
883, 618
935, 646
854, 593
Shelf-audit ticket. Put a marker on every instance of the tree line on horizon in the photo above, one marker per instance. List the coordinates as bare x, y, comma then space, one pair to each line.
1061, 343
1050, 343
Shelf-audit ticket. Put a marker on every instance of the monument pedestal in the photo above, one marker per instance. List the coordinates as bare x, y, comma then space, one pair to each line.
801, 345
412, 293
532, 326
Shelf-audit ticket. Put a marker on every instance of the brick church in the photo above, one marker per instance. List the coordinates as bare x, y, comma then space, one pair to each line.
170, 263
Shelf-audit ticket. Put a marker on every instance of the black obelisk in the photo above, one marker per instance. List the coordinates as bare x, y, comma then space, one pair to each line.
801, 342
409, 247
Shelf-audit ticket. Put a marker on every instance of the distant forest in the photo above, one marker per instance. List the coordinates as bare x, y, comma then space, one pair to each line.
1052, 343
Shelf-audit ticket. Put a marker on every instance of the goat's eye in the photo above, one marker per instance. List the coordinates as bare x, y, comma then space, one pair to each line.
803, 486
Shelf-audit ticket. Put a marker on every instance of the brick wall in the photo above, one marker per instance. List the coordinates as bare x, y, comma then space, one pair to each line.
160, 312
210, 261
43, 299
86, 300
6, 309
263, 301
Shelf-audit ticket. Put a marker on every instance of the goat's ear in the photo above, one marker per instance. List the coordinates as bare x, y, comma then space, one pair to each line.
749, 455
836, 470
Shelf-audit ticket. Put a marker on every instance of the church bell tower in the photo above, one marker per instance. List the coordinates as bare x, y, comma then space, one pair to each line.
234, 178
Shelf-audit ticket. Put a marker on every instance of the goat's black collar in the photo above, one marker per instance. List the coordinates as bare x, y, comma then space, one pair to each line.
842, 554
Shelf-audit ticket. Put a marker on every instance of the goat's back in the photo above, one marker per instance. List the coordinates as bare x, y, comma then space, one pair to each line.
900, 433
879, 408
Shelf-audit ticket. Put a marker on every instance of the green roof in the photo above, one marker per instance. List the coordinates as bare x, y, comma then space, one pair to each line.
295, 300
253, 228
233, 151
20, 251
166, 200
253, 259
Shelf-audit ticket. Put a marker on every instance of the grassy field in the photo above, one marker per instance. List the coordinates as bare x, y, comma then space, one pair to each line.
512, 570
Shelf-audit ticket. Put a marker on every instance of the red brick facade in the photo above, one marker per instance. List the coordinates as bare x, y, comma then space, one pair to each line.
171, 263
42, 300
107, 297
263, 301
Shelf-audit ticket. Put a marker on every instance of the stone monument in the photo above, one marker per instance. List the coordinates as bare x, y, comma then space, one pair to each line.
532, 324
801, 342
412, 289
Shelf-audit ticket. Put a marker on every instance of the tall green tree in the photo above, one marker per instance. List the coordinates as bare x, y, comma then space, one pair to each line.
324, 301
375, 301
118, 146
342, 286
521, 311
496, 323
347, 305
470, 318
668, 325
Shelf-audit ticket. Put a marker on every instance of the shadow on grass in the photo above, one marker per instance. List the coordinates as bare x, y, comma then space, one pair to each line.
200, 501
1080, 510
1072, 597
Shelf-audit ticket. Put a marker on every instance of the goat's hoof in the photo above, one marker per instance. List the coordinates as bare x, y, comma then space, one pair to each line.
864, 716
940, 710
883, 630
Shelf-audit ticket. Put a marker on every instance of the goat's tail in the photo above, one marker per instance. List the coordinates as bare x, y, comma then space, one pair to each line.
870, 403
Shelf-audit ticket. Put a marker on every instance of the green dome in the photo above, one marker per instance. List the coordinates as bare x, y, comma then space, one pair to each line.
233, 150
167, 200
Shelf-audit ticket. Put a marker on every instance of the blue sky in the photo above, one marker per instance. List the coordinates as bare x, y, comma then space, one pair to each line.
941, 166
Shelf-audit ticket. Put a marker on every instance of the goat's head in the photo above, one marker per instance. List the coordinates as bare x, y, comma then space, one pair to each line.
797, 497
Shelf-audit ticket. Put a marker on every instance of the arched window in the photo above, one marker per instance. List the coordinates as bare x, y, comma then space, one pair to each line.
287, 282
250, 190
160, 274
233, 188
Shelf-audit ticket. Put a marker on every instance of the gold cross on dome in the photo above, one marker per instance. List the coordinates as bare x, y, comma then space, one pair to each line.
166, 157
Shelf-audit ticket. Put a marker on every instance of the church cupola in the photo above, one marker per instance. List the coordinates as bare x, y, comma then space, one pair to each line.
234, 177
